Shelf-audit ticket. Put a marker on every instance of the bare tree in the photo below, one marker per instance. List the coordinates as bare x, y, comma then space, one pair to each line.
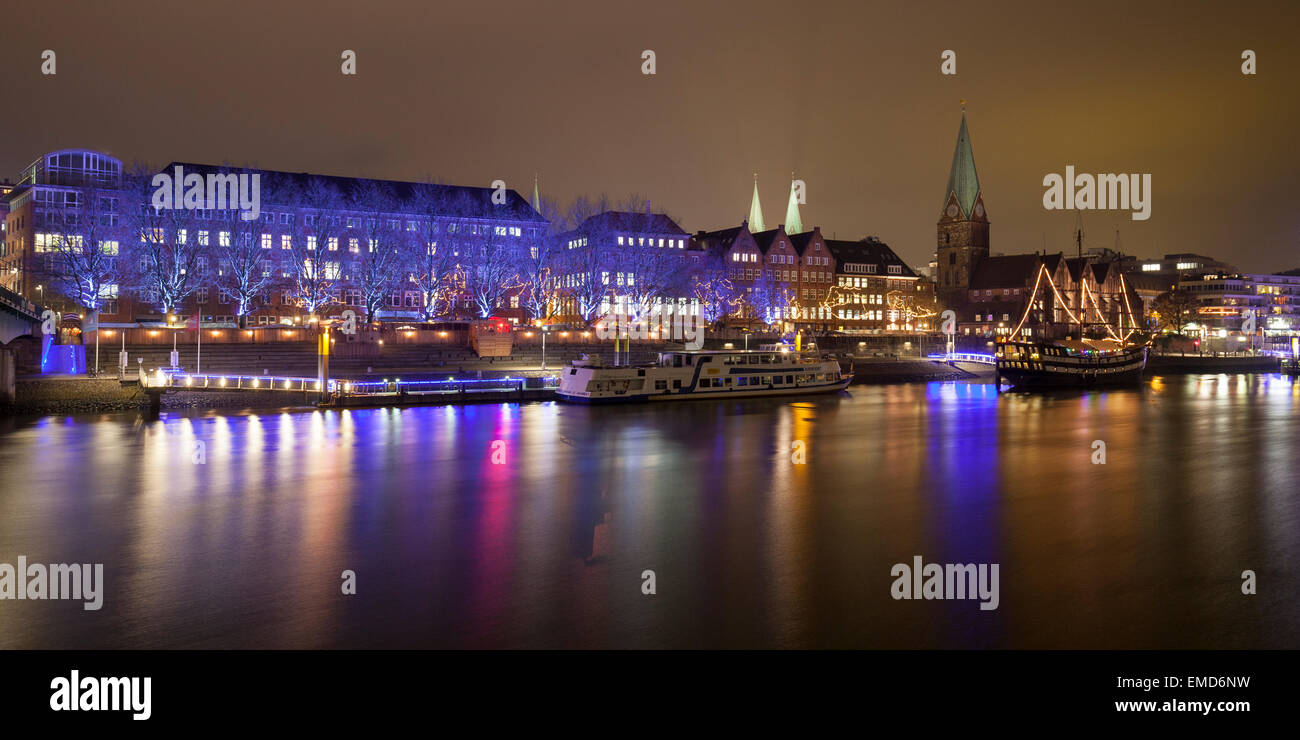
243, 270
378, 257
717, 295
429, 254
83, 230
164, 258
584, 268
539, 263
770, 298
318, 231
489, 266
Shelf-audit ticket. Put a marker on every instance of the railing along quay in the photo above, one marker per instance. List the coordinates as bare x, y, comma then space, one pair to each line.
342, 392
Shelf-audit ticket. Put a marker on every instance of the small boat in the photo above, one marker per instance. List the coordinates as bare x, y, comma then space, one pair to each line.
696, 374
1069, 363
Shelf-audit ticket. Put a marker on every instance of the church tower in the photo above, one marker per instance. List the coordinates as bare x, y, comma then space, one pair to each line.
963, 225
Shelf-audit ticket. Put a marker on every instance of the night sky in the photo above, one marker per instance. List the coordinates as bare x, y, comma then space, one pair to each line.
848, 95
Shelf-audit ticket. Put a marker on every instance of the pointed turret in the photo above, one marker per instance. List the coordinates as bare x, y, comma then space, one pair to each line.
756, 210
963, 182
537, 200
793, 224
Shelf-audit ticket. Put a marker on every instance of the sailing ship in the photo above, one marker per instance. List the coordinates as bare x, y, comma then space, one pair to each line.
1076, 361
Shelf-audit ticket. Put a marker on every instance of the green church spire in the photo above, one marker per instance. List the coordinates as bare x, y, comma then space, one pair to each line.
537, 200
962, 179
756, 211
793, 224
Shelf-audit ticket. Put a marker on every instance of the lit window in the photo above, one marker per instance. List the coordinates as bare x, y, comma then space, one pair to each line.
266, 241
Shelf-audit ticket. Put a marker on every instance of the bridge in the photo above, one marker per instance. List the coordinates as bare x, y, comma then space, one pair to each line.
953, 358
18, 316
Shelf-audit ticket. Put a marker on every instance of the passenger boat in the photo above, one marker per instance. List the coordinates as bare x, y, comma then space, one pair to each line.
696, 374
1070, 362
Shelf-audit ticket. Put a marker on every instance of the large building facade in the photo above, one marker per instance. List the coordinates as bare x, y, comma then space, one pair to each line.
318, 245
152, 250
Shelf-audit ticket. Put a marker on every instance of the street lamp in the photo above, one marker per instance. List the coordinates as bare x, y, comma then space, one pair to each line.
544, 329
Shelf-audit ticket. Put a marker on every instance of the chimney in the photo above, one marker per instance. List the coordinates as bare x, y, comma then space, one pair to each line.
647, 208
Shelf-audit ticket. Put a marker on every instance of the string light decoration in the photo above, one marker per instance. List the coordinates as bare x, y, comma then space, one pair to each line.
1060, 302
905, 307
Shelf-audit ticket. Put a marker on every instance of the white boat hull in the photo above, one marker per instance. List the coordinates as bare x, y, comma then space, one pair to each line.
717, 376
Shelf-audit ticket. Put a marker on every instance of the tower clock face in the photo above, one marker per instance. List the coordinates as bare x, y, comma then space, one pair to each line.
952, 210
979, 210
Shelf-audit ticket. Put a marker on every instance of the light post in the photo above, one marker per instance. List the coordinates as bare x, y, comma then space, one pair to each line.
171, 324
544, 328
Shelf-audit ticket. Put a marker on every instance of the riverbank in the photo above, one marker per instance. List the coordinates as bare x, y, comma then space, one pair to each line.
883, 370
66, 395
1180, 364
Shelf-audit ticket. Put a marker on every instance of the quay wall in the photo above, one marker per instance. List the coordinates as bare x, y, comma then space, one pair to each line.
1177, 364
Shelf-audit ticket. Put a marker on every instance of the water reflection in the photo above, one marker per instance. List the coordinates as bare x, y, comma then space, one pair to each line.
508, 525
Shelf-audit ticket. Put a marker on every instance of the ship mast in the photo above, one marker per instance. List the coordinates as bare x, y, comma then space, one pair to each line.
1078, 240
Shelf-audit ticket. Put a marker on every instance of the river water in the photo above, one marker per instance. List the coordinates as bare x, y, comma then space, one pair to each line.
766, 523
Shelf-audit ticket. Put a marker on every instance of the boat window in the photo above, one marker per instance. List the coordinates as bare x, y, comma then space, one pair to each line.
753, 359
789, 379
677, 360
742, 381
677, 384
661, 385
